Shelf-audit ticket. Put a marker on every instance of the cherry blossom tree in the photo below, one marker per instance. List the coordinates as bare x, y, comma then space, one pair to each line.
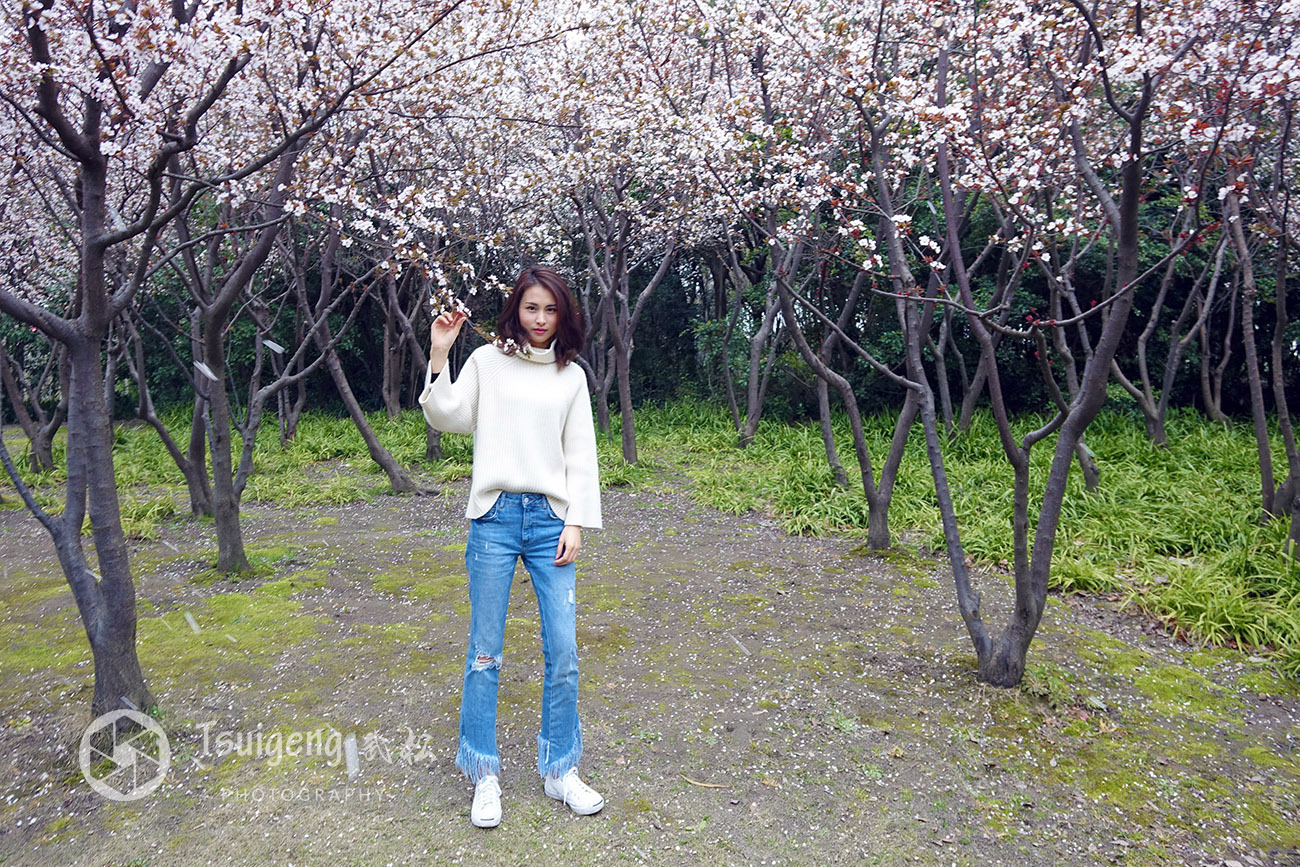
1249, 87
118, 120
1056, 123
1114, 65
800, 125
621, 166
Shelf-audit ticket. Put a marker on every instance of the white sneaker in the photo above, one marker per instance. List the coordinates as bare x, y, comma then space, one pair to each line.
576, 795
486, 812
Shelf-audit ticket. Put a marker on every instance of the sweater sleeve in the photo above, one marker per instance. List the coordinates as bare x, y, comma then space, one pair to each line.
581, 469
451, 406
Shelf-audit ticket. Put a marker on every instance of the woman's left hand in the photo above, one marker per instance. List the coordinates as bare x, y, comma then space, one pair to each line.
570, 541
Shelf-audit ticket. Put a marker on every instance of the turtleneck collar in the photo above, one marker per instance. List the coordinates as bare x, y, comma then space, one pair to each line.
537, 356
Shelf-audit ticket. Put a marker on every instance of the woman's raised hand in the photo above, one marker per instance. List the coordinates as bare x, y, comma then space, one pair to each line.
445, 329
442, 334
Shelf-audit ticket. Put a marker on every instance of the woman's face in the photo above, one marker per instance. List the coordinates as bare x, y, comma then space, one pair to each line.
538, 315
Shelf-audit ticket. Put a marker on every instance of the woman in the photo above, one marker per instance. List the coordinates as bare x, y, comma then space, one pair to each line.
534, 487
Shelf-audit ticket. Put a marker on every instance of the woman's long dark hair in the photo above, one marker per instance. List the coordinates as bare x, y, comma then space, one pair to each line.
569, 330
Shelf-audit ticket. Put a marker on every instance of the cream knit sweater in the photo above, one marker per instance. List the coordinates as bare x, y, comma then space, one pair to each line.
532, 429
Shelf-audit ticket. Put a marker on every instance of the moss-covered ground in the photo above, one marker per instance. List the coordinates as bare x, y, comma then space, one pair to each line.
748, 697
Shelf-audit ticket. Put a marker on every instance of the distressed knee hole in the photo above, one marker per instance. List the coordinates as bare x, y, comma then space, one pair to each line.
483, 661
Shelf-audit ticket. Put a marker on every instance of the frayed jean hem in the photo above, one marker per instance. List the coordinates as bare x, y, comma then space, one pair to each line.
551, 765
476, 765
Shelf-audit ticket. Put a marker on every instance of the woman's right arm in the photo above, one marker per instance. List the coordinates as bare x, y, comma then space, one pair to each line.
449, 406
442, 336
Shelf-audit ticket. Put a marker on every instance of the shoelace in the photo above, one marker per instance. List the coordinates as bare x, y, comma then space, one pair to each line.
489, 792
574, 786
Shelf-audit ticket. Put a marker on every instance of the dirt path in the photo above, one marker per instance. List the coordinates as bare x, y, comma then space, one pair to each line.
747, 698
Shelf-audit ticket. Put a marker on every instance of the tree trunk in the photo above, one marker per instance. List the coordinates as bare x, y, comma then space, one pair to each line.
290, 408
46, 425
1209, 397
109, 616
728, 381
1151, 406
602, 400
197, 459
112, 354
318, 323
828, 434
196, 477
627, 419
41, 455
225, 499
1278, 355
106, 605
105, 601
1197, 299
1254, 381
401, 483
941, 369
1088, 466
432, 443
1212, 380
1087, 463
621, 351
878, 536
1002, 663
755, 385
394, 344
1152, 420
602, 367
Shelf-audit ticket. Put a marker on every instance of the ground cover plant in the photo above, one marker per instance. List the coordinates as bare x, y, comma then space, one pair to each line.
1172, 531
750, 695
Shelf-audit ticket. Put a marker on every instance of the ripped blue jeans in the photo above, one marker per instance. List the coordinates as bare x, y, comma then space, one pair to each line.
519, 526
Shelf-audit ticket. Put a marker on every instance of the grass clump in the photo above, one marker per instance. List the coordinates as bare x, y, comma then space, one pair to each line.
141, 517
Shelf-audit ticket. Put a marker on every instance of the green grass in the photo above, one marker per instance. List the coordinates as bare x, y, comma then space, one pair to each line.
1174, 531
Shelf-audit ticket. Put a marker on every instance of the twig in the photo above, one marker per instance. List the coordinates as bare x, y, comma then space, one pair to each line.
704, 785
